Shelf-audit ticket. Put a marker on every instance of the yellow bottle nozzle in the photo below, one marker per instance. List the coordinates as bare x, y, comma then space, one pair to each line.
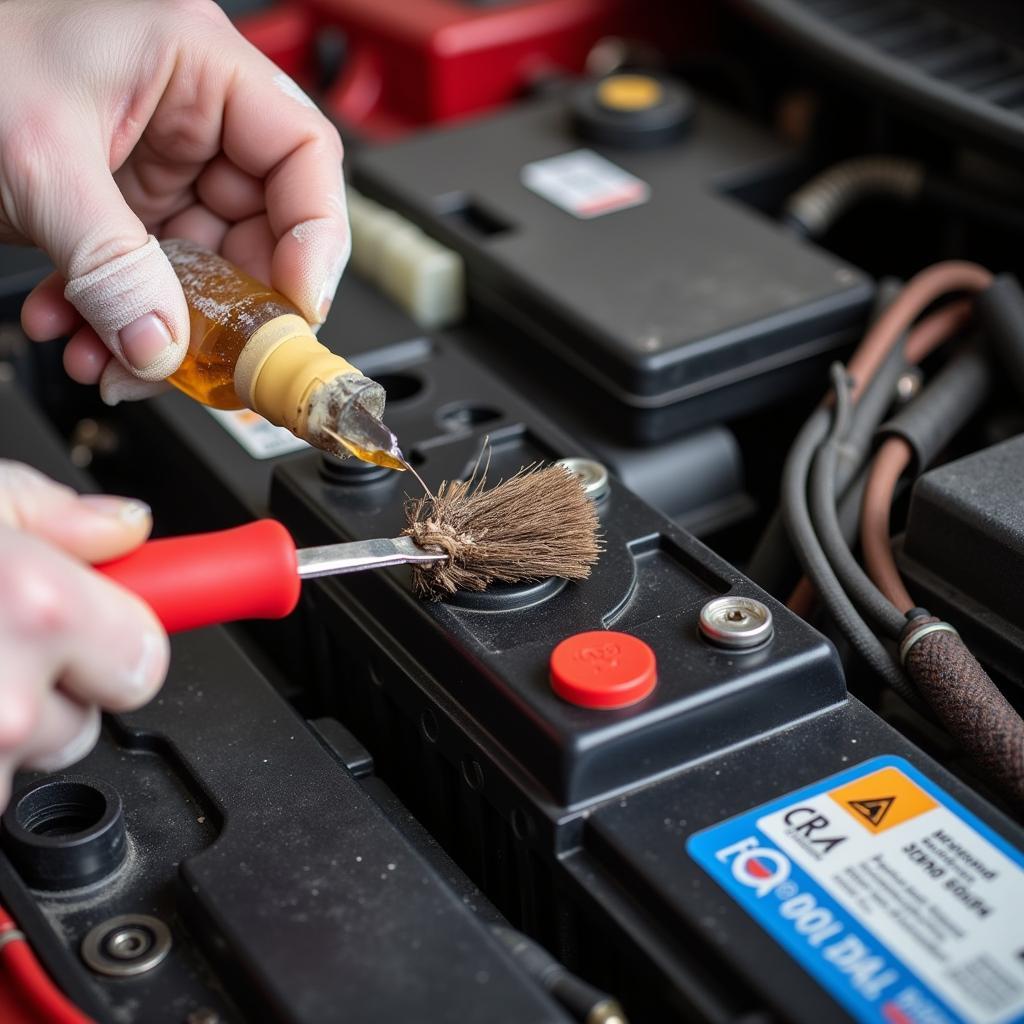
294, 381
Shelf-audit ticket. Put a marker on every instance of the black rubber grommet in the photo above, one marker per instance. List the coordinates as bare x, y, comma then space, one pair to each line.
351, 471
507, 597
65, 832
665, 120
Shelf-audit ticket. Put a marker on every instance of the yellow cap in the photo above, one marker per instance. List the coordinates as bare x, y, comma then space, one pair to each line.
287, 378
629, 92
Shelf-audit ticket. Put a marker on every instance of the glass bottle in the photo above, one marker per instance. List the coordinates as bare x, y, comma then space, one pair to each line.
250, 347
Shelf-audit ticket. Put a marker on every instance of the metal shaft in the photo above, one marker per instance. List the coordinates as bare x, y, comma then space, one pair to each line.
379, 553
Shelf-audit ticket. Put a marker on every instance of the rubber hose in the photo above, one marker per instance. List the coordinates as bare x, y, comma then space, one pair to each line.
867, 598
773, 565
817, 205
1000, 310
968, 704
801, 534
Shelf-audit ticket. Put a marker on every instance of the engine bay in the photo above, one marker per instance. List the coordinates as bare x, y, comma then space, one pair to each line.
751, 271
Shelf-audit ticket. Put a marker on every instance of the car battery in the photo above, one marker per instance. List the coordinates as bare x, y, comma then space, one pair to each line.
629, 263
587, 818
455, 700
410, 64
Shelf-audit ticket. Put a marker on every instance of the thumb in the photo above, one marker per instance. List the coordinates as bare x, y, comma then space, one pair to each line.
135, 304
92, 527
118, 277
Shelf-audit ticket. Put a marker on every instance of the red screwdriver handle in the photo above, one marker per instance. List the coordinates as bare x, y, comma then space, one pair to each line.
248, 572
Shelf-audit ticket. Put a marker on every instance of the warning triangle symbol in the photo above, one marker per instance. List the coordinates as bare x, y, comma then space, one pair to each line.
874, 810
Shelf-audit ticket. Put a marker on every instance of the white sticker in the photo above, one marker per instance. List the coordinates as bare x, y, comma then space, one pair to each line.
904, 905
260, 438
585, 184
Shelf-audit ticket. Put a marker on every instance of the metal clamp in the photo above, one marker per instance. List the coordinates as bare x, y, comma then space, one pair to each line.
920, 634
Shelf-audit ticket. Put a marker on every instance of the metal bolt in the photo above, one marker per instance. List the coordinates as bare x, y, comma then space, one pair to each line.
127, 945
592, 475
739, 623
908, 385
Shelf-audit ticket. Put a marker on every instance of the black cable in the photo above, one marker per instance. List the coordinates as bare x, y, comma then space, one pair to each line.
774, 564
849, 505
801, 532
869, 411
867, 598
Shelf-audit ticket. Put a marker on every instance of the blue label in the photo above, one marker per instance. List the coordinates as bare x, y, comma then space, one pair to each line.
793, 884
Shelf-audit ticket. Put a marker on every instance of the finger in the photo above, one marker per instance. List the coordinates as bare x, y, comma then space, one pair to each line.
118, 278
250, 245
46, 314
272, 131
65, 733
229, 192
85, 356
116, 654
118, 385
63, 621
197, 224
21, 696
94, 528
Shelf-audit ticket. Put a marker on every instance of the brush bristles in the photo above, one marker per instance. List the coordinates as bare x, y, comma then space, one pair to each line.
536, 524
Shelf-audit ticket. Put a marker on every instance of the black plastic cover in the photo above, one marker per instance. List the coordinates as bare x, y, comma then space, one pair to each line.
963, 553
675, 308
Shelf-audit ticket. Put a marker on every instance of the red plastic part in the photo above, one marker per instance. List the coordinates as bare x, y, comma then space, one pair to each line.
248, 572
417, 62
27, 994
603, 669
285, 34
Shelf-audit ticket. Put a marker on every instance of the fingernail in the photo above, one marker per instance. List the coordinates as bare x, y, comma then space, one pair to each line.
129, 511
148, 672
323, 306
144, 341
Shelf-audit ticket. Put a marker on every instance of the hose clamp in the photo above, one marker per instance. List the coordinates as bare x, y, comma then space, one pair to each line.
11, 935
920, 634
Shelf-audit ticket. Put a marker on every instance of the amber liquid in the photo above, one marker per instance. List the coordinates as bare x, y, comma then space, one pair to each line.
226, 307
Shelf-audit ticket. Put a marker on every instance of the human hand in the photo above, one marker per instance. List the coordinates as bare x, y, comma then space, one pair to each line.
121, 119
71, 641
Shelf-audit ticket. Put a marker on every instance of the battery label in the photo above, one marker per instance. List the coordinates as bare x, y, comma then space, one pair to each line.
585, 184
906, 907
260, 438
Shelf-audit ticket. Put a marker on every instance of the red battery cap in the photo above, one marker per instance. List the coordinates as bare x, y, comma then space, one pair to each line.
603, 669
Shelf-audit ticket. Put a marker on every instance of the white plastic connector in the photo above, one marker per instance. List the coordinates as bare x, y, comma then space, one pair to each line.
424, 277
